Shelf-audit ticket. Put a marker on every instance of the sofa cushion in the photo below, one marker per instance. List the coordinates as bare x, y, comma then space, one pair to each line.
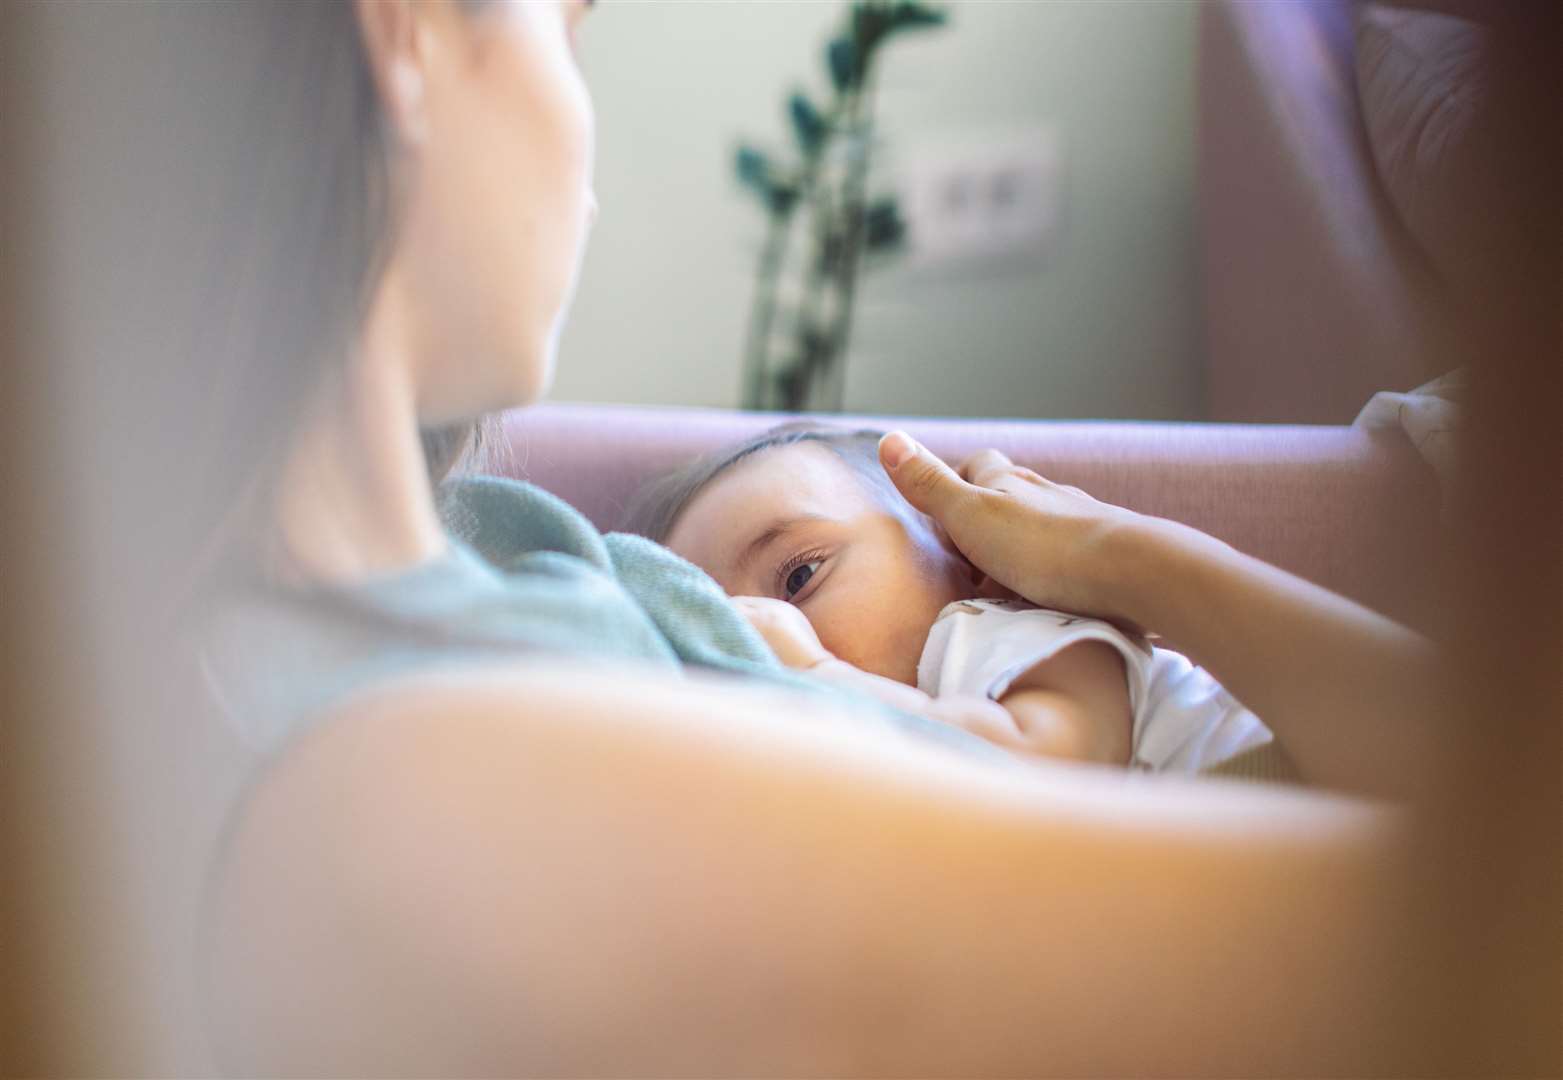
1423, 84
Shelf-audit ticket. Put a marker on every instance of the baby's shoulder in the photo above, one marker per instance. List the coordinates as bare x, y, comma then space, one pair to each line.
1002, 616
990, 607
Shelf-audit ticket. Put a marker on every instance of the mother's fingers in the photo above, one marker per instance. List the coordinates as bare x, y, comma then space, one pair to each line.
985, 466
922, 478
992, 469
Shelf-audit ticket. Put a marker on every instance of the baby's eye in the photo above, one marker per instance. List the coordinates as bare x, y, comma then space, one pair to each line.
799, 578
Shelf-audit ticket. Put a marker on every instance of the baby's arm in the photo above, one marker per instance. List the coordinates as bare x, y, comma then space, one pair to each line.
1074, 705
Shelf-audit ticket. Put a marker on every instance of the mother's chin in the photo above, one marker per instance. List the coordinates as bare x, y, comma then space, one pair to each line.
458, 391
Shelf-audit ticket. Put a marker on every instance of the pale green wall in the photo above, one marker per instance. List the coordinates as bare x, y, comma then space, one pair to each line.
1106, 325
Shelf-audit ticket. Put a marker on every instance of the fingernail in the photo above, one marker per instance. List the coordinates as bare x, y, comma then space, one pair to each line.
895, 448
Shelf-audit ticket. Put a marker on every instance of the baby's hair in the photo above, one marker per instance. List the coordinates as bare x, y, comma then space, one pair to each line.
656, 508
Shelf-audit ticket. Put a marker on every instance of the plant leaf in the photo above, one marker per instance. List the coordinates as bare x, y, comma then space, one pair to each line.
753, 168
870, 23
841, 57
781, 197
911, 14
883, 226
807, 123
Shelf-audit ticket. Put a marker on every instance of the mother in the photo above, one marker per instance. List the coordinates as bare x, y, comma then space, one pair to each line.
490, 861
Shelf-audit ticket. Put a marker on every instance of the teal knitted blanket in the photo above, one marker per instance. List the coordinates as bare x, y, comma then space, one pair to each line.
525, 574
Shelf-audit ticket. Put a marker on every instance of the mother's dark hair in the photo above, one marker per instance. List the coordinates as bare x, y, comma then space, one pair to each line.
288, 192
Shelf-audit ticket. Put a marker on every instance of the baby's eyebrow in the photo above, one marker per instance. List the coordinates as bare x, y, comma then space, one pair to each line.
773, 532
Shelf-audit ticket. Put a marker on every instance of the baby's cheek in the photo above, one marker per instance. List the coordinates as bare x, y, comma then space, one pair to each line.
868, 635
825, 618
844, 627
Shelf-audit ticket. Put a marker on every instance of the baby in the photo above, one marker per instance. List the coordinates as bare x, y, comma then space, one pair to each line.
844, 579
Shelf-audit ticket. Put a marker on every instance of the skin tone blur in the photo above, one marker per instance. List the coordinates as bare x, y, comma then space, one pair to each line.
796, 524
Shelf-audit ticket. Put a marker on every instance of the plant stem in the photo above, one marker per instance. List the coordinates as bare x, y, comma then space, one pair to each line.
829, 211
815, 195
760, 382
763, 312
854, 186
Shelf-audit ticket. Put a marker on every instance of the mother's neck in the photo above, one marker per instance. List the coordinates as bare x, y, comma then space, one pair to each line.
353, 497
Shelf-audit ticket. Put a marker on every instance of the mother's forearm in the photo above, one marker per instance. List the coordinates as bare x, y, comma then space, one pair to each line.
1355, 697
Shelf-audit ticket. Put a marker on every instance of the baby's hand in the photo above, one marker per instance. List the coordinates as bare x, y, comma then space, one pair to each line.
785, 629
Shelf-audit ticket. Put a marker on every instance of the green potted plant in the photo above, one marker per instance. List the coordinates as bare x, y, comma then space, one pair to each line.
795, 355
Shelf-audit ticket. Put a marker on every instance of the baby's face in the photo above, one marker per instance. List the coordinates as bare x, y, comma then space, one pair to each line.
796, 523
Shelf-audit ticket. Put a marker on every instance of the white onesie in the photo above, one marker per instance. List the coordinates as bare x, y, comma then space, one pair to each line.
1184, 721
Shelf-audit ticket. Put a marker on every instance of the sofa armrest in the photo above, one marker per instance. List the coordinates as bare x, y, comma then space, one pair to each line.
1354, 512
1315, 294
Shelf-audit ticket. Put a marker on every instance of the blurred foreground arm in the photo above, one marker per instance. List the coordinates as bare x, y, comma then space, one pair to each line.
536, 871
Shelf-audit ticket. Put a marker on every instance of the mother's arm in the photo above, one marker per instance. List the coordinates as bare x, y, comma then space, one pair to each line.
537, 870
1358, 699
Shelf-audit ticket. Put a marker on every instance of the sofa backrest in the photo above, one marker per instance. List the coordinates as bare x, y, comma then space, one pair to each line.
1350, 510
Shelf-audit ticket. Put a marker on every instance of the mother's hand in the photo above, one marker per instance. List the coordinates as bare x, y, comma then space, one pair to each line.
1266, 635
1052, 544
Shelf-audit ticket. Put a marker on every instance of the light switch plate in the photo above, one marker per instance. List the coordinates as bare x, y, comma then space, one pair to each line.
989, 198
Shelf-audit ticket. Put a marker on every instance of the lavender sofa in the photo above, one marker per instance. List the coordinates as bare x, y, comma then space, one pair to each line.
1353, 511
1345, 156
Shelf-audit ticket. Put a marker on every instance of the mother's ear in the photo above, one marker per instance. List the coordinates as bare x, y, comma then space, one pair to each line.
396, 44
